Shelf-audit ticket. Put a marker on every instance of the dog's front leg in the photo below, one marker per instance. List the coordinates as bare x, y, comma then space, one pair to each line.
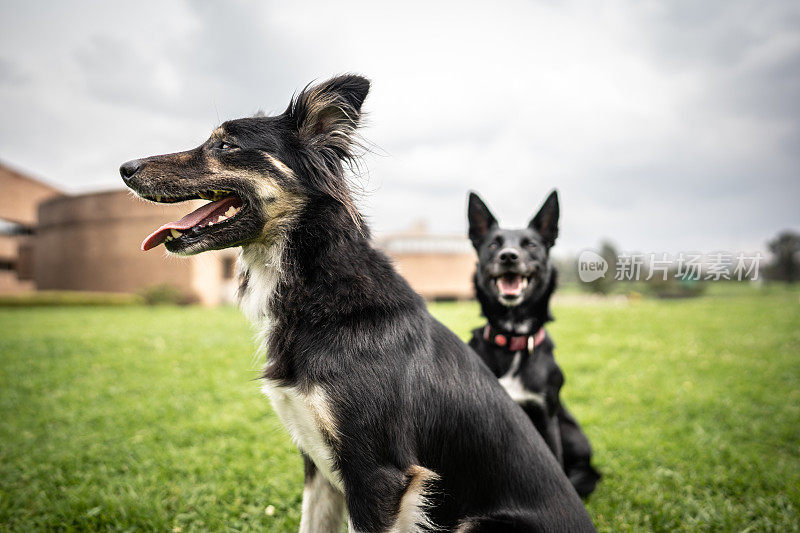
323, 504
388, 500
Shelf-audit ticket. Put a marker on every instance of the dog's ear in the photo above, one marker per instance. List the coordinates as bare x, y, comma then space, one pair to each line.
325, 118
327, 115
545, 223
480, 218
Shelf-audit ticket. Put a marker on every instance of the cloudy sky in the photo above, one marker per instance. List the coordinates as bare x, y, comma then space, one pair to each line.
666, 126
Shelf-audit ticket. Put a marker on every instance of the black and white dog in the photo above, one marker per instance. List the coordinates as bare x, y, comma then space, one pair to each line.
398, 421
514, 280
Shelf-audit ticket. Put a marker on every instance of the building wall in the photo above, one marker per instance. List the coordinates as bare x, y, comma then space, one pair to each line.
8, 247
210, 282
10, 284
21, 195
438, 275
19, 199
92, 243
15, 264
437, 266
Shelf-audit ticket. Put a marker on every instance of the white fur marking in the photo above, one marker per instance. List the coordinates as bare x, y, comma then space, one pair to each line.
305, 417
513, 385
263, 264
323, 506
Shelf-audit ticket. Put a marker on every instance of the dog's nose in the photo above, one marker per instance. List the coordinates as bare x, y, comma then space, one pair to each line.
508, 256
129, 169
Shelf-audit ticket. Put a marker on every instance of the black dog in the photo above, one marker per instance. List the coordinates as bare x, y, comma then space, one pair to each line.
514, 281
397, 419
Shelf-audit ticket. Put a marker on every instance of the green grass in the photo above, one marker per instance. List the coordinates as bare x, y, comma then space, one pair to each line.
150, 418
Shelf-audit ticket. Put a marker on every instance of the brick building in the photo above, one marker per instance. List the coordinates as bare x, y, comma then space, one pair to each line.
20, 196
90, 242
439, 267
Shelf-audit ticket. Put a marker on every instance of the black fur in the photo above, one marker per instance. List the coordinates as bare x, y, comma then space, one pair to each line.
538, 372
402, 388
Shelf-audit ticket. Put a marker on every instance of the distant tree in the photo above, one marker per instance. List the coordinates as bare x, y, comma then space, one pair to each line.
567, 273
785, 248
603, 285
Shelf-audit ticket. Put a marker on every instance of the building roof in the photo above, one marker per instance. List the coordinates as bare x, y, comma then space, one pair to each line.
418, 240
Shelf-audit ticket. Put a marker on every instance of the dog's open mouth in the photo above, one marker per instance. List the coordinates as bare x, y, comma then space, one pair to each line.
224, 206
510, 286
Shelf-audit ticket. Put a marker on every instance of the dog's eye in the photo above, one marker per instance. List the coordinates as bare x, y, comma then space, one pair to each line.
226, 146
493, 246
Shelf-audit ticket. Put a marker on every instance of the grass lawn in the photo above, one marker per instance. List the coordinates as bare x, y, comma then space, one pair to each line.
139, 418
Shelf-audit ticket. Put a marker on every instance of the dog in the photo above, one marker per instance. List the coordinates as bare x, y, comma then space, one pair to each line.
514, 281
399, 422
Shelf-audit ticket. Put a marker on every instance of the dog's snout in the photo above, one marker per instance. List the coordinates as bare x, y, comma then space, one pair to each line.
129, 169
508, 256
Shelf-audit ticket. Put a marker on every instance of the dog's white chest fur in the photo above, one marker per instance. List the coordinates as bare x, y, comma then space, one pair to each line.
305, 414
263, 267
308, 419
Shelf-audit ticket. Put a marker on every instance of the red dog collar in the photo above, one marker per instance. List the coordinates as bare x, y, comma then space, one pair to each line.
514, 344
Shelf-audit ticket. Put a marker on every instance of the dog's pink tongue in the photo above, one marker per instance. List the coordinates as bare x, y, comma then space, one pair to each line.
510, 285
208, 212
